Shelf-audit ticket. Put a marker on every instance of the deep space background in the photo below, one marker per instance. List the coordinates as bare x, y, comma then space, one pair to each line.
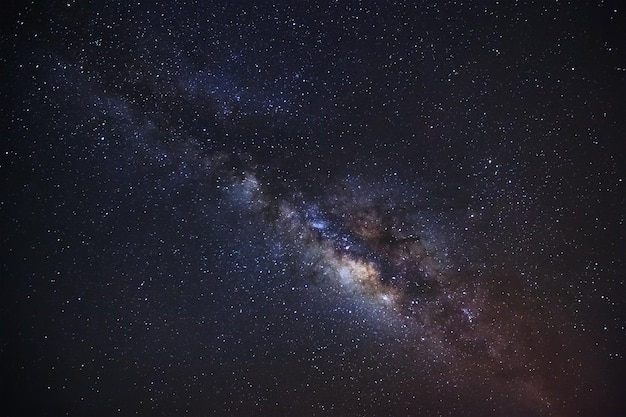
347, 208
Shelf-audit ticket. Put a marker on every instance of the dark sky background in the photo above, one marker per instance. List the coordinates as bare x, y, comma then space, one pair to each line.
313, 208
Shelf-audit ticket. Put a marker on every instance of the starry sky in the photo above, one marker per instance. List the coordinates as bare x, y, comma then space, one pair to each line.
347, 208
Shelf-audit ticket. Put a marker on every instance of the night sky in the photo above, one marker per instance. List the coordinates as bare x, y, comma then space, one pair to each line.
313, 208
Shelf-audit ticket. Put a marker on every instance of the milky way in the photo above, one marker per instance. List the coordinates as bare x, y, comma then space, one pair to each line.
311, 209
442, 313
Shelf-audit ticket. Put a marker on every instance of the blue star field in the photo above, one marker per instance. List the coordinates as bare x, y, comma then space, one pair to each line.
347, 208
